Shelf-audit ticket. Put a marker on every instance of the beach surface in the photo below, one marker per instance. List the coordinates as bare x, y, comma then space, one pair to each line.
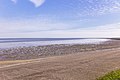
60, 62
80, 66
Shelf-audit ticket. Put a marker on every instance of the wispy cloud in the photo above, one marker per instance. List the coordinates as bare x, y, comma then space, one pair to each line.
37, 3
33, 25
14, 1
98, 7
85, 7
36, 28
104, 28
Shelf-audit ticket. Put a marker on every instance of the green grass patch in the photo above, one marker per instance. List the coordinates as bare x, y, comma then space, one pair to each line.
114, 75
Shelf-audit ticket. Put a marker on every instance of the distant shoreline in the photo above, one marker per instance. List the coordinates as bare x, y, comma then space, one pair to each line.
34, 52
27, 42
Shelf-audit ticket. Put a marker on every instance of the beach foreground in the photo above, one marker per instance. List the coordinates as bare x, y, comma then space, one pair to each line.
79, 66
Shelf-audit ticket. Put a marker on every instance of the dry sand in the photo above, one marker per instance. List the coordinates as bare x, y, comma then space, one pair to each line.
80, 66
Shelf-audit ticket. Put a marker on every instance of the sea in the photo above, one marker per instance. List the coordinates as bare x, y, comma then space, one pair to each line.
21, 42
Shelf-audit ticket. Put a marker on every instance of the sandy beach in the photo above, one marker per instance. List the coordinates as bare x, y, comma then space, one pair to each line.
84, 65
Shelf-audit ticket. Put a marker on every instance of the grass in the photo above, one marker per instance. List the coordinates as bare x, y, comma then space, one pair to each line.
114, 75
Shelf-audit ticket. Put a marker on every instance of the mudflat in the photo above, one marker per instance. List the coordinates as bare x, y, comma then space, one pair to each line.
79, 66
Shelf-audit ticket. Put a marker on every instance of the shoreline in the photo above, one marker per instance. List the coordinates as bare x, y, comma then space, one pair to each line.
16, 43
34, 52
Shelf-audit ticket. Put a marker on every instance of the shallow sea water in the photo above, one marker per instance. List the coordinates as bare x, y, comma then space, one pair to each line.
20, 42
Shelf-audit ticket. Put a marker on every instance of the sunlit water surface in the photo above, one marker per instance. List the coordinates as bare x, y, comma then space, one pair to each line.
11, 43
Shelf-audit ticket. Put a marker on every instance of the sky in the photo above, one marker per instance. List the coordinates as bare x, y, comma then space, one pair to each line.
59, 18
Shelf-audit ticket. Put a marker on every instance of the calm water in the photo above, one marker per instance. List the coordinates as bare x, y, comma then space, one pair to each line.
17, 42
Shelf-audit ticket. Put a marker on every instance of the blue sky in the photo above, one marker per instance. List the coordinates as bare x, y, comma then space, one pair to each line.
59, 18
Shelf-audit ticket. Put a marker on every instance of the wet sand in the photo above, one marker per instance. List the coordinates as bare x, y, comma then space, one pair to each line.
34, 52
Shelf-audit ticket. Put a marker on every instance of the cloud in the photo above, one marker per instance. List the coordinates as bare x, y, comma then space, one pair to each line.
38, 27
37, 3
32, 25
106, 31
98, 7
15, 1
